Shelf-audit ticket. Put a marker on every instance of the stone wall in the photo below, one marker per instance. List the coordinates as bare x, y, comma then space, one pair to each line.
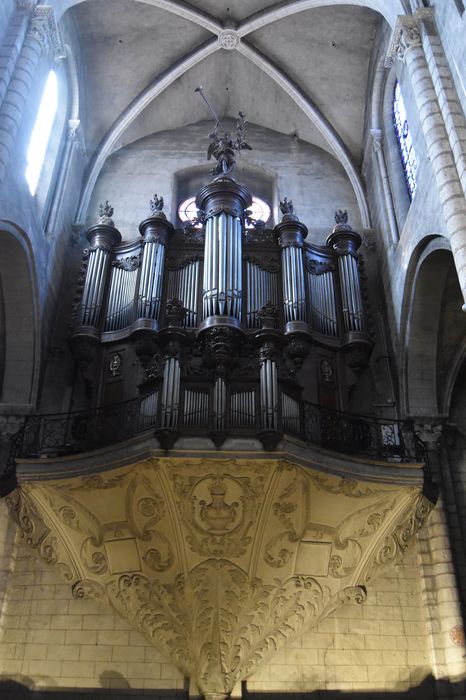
306, 174
49, 640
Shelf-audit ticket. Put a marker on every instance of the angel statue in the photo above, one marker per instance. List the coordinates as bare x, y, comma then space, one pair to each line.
222, 146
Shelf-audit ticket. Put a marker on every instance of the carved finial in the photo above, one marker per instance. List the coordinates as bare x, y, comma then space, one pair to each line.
341, 217
106, 213
156, 206
287, 209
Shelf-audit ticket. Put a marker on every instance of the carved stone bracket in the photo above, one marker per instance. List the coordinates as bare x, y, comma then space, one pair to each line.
407, 34
218, 562
429, 434
44, 27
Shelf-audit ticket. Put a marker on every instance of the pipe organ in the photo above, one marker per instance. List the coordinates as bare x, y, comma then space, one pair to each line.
241, 323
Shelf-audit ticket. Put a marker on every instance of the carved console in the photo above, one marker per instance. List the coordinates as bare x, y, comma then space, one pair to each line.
220, 562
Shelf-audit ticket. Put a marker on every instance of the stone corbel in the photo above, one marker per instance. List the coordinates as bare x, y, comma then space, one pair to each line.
75, 134
45, 28
429, 434
407, 34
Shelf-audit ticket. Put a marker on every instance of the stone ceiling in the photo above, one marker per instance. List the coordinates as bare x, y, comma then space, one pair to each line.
126, 45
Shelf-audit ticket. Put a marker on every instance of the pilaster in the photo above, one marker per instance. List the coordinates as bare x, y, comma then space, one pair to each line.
42, 37
440, 585
406, 44
377, 147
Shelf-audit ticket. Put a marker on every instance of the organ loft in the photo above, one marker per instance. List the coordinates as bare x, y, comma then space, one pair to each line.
214, 490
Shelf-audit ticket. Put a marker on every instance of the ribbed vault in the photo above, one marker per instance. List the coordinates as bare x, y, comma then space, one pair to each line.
325, 79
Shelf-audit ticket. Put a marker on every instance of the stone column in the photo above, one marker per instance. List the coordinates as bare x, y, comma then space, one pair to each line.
377, 144
406, 45
40, 38
74, 143
450, 106
11, 48
10, 441
440, 585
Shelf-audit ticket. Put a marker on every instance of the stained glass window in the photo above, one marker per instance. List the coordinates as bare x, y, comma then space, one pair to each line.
260, 210
405, 142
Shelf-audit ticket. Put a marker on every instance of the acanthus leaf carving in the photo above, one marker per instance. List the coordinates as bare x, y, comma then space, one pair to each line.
88, 589
397, 540
160, 549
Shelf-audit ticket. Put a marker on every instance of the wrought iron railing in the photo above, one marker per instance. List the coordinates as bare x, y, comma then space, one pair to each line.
380, 438
61, 434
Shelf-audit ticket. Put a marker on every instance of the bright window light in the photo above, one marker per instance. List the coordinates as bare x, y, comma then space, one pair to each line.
187, 211
260, 210
41, 132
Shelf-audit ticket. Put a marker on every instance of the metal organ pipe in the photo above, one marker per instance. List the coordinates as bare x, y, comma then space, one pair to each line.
219, 408
262, 286
322, 295
103, 238
155, 231
223, 202
345, 242
290, 235
170, 393
268, 389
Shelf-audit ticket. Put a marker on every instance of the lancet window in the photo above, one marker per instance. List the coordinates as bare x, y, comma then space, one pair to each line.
405, 142
41, 132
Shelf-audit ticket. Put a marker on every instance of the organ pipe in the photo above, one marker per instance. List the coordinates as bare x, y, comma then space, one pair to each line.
219, 407
223, 202
345, 243
170, 397
156, 231
262, 287
103, 237
183, 284
322, 302
269, 401
290, 236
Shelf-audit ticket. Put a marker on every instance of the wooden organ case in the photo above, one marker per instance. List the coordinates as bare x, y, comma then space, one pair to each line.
219, 328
